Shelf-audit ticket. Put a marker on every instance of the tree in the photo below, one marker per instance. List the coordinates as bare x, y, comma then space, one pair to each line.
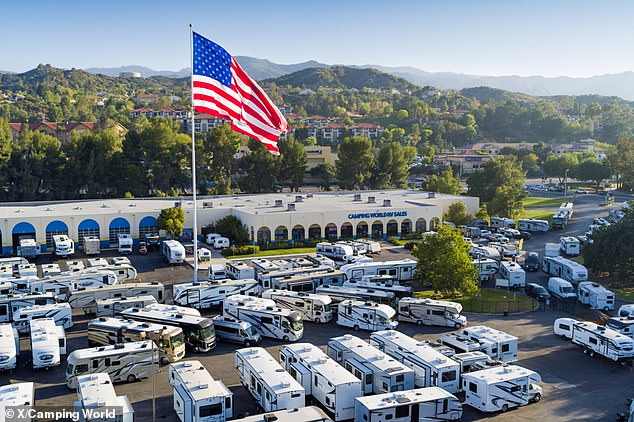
457, 214
557, 166
219, 146
355, 162
482, 213
593, 170
260, 168
445, 264
325, 173
622, 161
232, 228
172, 220
610, 250
392, 166
446, 182
293, 163
311, 141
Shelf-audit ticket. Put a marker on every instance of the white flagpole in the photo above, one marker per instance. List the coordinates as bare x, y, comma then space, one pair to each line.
191, 50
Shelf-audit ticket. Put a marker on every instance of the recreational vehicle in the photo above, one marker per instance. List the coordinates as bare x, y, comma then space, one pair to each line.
501, 388
97, 262
125, 273
322, 378
112, 306
272, 387
312, 307
29, 249
207, 294
502, 223
568, 270
341, 293
561, 288
263, 265
532, 225
64, 246
301, 414
47, 343
21, 285
334, 251
74, 266
9, 304
221, 242
513, 272
397, 290
19, 394
431, 368
96, 396
569, 245
91, 245
359, 248
13, 261
162, 307
123, 362
461, 343
61, 313
316, 259
198, 331
267, 318
362, 315
50, 269
232, 330
431, 312
86, 299
217, 272
378, 372
563, 327
27, 270
623, 325
239, 270
402, 270
597, 339
595, 295
120, 260
484, 252
62, 283
498, 344
124, 243
6, 287
473, 361
197, 395
268, 279
371, 246
9, 347
173, 251
422, 404
486, 267
626, 310
308, 283
169, 339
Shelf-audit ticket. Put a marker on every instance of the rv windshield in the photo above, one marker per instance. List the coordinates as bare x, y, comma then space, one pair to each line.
295, 321
328, 309
250, 330
177, 340
452, 315
207, 334
567, 289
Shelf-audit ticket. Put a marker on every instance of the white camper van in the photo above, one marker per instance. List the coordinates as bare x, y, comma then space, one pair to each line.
124, 243
173, 251
431, 312
96, 396
29, 249
123, 362
501, 388
60, 313
92, 245
514, 273
112, 306
313, 307
269, 319
322, 378
431, 368
568, 270
378, 372
570, 245
197, 395
597, 339
401, 270
561, 288
595, 295
233, 330
272, 387
207, 294
422, 404
9, 347
498, 344
64, 246
362, 315
48, 343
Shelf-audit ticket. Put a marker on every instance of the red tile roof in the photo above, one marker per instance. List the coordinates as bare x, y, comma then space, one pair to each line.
367, 126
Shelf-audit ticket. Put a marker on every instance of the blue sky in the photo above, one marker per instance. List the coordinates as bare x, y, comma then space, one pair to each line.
551, 38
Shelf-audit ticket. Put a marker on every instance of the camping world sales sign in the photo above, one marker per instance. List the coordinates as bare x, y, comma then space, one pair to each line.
387, 214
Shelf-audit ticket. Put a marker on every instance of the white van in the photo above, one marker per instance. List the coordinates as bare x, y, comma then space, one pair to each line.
221, 242
209, 239
561, 288
235, 331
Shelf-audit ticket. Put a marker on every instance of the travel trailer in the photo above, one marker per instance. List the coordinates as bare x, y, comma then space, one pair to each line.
341, 293
13, 261
197, 395
568, 270
461, 343
62, 283
270, 385
570, 245
563, 327
431, 312
91, 245
595, 295
64, 246
48, 343
86, 299
378, 372
207, 294
19, 394
514, 273
125, 273
74, 266
501, 388
322, 378
173, 251
308, 283
107, 330
112, 306
422, 404
124, 243
388, 287
623, 325
561, 288
487, 267
9, 347
312, 307
371, 246
120, 260
239, 270
217, 272
498, 344
502, 223
123, 362
431, 368
597, 339
27, 270
484, 252
334, 251
97, 262
362, 315
233, 330
198, 331
268, 279
303, 414
29, 249
402, 270
96, 395
9, 304
532, 225
221, 242
60, 313
267, 318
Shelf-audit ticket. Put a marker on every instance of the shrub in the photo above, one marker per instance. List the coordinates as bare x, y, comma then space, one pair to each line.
240, 250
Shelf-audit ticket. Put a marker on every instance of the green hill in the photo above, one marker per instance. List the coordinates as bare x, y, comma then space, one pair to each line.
482, 93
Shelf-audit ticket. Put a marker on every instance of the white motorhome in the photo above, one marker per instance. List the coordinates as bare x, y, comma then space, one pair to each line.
29, 249
9, 304
498, 344
64, 246
378, 372
397, 290
532, 225
312, 307
20, 394
233, 330
501, 388
174, 309
86, 299
96, 396
335, 251
487, 267
74, 266
207, 294
341, 293
514, 273
97, 262
106, 330
9, 347
401, 270
272, 387
568, 270
173, 251
50, 269
48, 343
124, 243
125, 273
422, 404
91, 245
123, 362
308, 283
570, 245
431, 368
197, 395
371, 246
362, 315
61, 313
597, 339
239, 270
484, 252
431, 312
502, 223
595, 295
112, 306
269, 319
268, 279
561, 288
303, 414
623, 325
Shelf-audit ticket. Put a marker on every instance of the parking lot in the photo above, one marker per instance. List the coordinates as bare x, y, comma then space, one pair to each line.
576, 387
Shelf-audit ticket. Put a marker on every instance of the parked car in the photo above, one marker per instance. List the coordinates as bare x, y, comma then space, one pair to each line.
510, 233
531, 263
556, 188
581, 191
536, 291
498, 237
142, 248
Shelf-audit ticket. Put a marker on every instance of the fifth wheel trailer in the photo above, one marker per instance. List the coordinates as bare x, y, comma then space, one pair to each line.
207, 294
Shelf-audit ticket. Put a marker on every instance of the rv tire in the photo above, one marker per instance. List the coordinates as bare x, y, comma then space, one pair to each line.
537, 398
317, 321
247, 343
131, 378
285, 338
356, 328
505, 407
196, 349
591, 353
419, 322
457, 325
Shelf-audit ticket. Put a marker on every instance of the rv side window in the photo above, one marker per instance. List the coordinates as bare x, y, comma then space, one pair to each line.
445, 405
95, 364
160, 295
266, 320
505, 348
564, 327
448, 376
293, 372
3, 310
401, 411
107, 362
259, 389
515, 388
316, 381
295, 395
268, 396
400, 378
368, 379
438, 313
210, 410
387, 417
403, 309
80, 369
592, 340
473, 387
385, 387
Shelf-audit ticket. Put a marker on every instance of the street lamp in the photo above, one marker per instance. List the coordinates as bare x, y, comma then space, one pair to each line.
566, 182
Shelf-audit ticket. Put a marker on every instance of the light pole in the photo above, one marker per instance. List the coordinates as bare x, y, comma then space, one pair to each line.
566, 182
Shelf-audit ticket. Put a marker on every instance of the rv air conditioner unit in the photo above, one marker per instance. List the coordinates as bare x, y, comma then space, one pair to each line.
371, 200
431, 194
208, 204
299, 198
357, 197
387, 202
291, 207
278, 202
177, 204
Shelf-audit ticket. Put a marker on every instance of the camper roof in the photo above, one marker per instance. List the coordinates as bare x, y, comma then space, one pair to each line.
303, 414
388, 400
314, 357
501, 374
161, 316
113, 349
35, 309
118, 323
269, 370
488, 333
325, 299
371, 354
417, 348
431, 302
593, 287
198, 381
7, 339
18, 394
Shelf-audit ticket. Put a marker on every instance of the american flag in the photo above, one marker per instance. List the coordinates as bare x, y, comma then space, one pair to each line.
221, 88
